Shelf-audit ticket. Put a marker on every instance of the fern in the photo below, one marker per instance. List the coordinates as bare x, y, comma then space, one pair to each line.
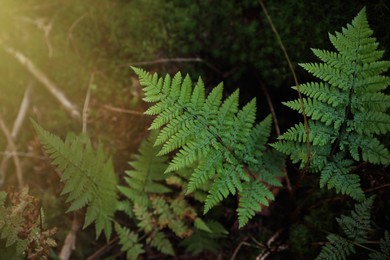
355, 226
128, 240
152, 202
384, 245
89, 177
21, 233
347, 109
205, 238
215, 135
146, 175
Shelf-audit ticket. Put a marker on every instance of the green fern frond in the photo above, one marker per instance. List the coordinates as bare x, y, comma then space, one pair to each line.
336, 175
357, 224
384, 244
147, 175
161, 243
346, 109
367, 148
205, 240
338, 248
129, 242
251, 197
89, 177
211, 133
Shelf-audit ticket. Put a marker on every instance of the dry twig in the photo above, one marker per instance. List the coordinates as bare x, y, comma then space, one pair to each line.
291, 66
24, 105
126, 111
70, 240
41, 77
15, 157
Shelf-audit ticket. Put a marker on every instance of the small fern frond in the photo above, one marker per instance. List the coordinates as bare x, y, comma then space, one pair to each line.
336, 175
159, 241
384, 244
225, 184
21, 227
251, 197
357, 224
209, 240
89, 177
338, 248
148, 173
129, 242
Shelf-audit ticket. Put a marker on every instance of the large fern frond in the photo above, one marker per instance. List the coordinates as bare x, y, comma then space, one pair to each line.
346, 109
211, 133
88, 174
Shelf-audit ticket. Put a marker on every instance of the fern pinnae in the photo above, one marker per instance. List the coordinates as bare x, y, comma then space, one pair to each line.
89, 177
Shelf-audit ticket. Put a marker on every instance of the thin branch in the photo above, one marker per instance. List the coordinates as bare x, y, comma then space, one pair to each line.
242, 243
168, 60
165, 60
21, 154
41, 77
22, 110
121, 110
86, 103
70, 31
295, 81
42, 24
24, 105
378, 188
70, 240
16, 160
102, 250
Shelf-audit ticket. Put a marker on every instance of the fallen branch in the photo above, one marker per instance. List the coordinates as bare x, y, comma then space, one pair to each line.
70, 240
15, 131
11, 143
41, 77
126, 111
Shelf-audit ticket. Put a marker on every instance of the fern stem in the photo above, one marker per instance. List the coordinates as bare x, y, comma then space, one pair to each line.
291, 66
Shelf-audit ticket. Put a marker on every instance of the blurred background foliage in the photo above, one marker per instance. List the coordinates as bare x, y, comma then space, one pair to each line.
89, 44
